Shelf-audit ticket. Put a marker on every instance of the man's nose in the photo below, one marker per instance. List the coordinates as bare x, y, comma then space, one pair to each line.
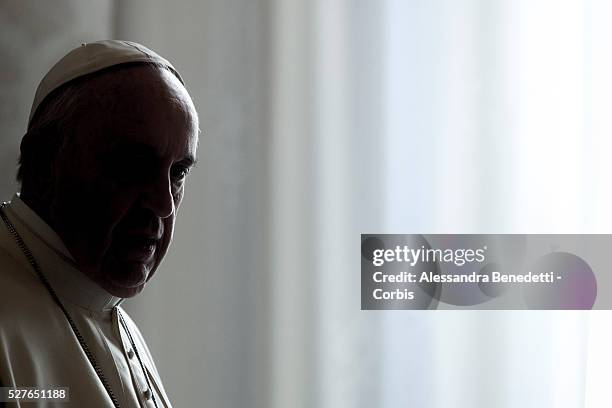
158, 196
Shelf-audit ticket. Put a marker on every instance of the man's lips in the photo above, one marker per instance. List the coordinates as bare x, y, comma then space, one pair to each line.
135, 248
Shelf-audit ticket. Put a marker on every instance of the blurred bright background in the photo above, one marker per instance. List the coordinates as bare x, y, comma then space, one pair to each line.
325, 119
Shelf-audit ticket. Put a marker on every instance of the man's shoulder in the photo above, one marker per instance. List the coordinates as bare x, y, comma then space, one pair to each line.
13, 274
19, 282
21, 294
9, 261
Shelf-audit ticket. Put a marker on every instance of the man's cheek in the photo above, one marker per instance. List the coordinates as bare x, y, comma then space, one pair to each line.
77, 208
177, 197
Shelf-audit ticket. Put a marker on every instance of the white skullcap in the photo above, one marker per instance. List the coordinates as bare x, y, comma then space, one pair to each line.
90, 58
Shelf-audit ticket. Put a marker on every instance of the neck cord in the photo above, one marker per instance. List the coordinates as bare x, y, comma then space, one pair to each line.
32, 261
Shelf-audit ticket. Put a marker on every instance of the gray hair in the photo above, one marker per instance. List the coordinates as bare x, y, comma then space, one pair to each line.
46, 137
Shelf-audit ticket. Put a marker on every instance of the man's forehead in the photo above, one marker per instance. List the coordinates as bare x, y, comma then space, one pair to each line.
128, 98
123, 80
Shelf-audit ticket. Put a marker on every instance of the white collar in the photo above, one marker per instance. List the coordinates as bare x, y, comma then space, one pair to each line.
38, 227
67, 280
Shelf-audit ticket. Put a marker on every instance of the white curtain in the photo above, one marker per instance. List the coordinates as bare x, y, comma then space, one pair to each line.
326, 119
486, 117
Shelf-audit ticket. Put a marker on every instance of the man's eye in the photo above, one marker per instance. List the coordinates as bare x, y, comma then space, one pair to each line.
179, 173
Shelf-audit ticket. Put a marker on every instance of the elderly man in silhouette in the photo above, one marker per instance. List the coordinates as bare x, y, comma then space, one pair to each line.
111, 137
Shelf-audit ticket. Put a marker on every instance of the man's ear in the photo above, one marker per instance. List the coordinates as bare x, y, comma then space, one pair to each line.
39, 149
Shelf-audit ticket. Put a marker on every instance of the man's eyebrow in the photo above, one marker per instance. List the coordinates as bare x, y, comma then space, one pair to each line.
140, 149
188, 161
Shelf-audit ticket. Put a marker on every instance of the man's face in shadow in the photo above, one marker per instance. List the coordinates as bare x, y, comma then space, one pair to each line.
121, 176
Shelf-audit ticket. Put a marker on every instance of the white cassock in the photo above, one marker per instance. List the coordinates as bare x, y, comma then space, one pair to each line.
37, 346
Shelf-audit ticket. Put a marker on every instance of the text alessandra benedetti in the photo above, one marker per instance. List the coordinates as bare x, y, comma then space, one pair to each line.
491, 277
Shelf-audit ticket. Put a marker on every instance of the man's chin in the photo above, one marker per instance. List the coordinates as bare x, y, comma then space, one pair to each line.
121, 291
126, 281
